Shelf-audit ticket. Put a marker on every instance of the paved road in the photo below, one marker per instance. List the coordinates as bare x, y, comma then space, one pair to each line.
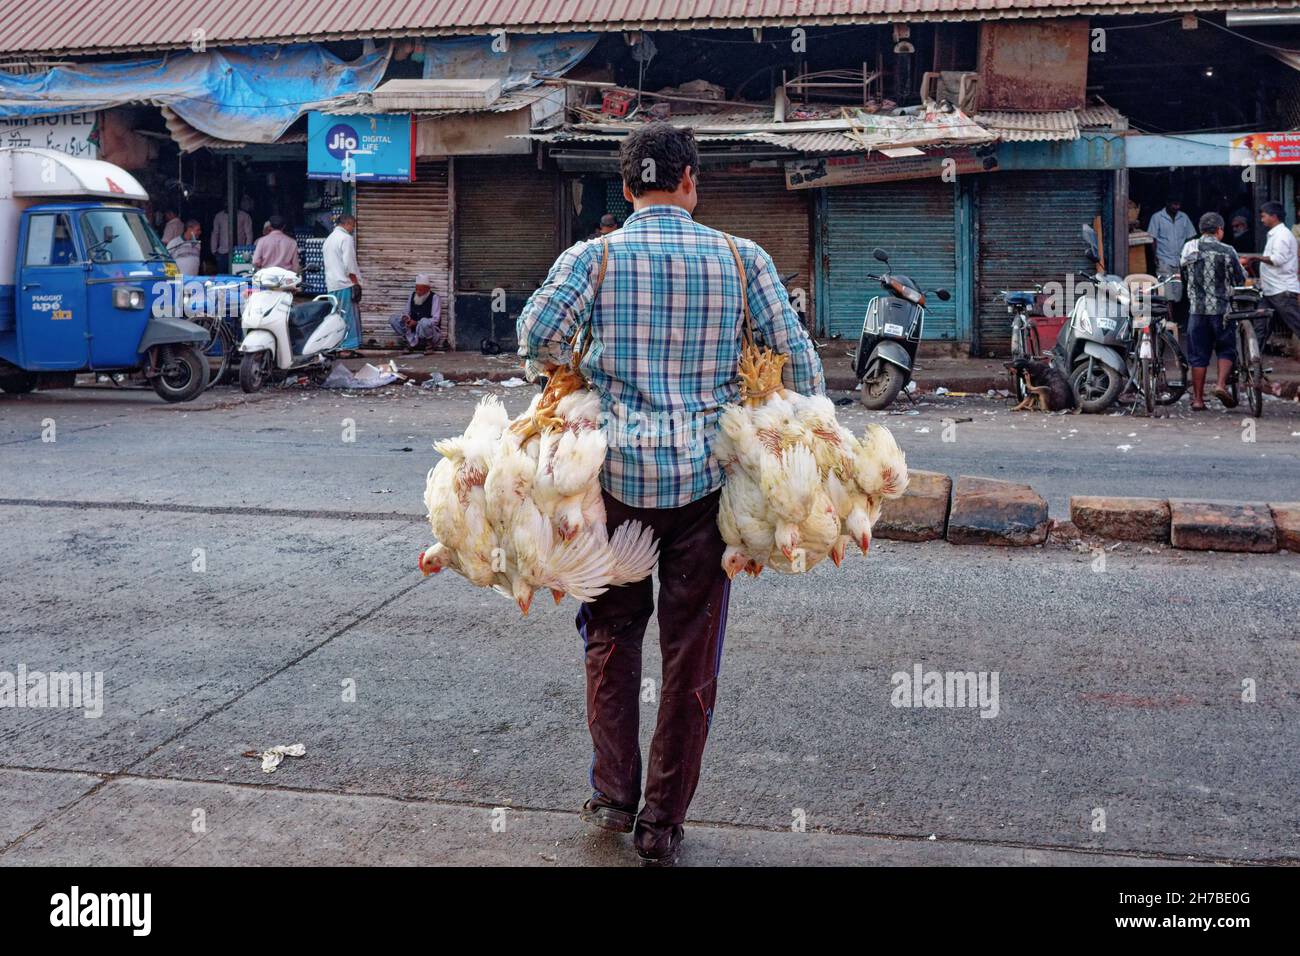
1118, 691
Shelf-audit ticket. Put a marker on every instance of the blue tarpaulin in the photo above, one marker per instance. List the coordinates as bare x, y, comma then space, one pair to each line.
525, 61
241, 94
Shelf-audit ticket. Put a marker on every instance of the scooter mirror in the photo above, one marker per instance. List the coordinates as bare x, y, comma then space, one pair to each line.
880, 254
943, 294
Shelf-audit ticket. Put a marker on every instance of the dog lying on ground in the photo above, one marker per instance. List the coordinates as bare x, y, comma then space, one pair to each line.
1046, 389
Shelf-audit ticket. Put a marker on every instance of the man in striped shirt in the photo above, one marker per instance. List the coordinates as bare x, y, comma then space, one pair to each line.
666, 329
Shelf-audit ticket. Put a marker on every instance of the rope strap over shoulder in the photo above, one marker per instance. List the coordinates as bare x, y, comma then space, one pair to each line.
577, 354
747, 329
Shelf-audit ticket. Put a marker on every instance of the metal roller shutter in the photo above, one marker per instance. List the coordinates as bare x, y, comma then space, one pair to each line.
1029, 232
402, 229
913, 222
757, 206
506, 228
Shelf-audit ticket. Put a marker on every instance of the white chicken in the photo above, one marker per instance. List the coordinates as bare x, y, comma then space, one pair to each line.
517, 506
800, 487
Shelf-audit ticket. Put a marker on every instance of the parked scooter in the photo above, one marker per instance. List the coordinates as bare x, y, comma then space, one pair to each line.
280, 336
1092, 351
891, 331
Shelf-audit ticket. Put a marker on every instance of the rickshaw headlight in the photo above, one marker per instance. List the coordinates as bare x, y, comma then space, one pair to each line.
126, 298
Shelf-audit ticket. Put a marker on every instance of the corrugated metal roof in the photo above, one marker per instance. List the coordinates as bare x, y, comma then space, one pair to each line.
1013, 126
91, 26
1017, 127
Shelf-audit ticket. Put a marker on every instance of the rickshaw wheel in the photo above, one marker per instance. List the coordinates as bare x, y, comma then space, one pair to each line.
18, 383
183, 374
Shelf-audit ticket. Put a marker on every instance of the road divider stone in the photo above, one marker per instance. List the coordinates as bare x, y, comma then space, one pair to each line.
921, 514
1121, 519
1287, 519
1220, 526
989, 511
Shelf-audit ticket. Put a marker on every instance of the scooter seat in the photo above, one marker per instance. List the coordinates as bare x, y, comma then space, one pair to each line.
303, 321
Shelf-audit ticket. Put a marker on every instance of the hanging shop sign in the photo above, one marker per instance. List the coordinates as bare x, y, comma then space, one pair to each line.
1266, 149
377, 147
816, 171
71, 133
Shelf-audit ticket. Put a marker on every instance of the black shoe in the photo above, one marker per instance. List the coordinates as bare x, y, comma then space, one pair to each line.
607, 817
656, 845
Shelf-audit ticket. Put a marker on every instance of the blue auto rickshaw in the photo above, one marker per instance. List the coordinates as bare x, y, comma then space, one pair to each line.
85, 283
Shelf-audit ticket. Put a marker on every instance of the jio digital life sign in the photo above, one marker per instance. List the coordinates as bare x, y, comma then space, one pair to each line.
376, 147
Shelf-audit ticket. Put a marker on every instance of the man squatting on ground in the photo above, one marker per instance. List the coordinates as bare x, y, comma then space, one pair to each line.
666, 327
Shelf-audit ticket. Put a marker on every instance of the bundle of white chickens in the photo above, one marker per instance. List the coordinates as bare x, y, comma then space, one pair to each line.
800, 487
516, 505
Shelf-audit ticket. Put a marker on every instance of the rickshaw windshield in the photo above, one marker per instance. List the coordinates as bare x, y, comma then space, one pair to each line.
119, 235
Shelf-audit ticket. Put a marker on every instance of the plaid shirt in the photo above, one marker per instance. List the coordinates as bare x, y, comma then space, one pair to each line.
666, 337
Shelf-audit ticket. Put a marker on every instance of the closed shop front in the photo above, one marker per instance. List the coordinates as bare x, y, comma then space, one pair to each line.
402, 229
507, 237
1029, 232
756, 205
914, 222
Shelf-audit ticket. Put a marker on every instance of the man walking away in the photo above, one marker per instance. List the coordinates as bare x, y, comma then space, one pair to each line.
187, 248
666, 327
1277, 272
343, 276
420, 326
276, 249
1212, 269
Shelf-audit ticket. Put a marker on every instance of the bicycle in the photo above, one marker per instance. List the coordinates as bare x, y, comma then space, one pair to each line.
1248, 369
1024, 335
211, 309
1158, 366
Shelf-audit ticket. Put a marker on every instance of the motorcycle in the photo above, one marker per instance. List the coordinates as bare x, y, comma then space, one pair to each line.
280, 336
891, 332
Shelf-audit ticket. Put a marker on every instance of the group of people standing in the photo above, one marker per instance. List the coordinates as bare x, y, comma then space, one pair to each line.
1211, 267
419, 325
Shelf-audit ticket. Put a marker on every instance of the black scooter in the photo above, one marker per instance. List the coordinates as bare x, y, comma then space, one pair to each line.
891, 332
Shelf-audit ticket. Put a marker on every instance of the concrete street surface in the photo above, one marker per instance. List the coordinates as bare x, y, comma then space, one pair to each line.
243, 576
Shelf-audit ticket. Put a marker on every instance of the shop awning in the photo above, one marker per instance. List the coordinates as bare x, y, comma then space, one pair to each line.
856, 131
243, 95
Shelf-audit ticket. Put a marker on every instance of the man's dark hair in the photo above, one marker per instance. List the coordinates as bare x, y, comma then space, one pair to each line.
1210, 223
1274, 209
669, 149
277, 222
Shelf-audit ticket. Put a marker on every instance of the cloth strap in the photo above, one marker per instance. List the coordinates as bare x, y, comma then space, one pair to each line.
579, 352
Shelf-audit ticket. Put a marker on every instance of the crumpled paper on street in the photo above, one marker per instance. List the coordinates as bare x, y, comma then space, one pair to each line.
272, 758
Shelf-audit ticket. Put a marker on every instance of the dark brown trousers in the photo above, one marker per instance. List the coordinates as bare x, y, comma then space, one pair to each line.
693, 595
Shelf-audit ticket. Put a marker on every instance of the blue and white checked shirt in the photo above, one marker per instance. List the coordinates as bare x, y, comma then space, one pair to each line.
666, 340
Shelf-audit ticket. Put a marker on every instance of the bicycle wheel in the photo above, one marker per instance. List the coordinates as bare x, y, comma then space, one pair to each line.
220, 346
1147, 384
1250, 368
1171, 370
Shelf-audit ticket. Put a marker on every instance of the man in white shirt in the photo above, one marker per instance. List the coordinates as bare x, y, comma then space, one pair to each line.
221, 239
1170, 228
1278, 268
186, 248
173, 226
343, 276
